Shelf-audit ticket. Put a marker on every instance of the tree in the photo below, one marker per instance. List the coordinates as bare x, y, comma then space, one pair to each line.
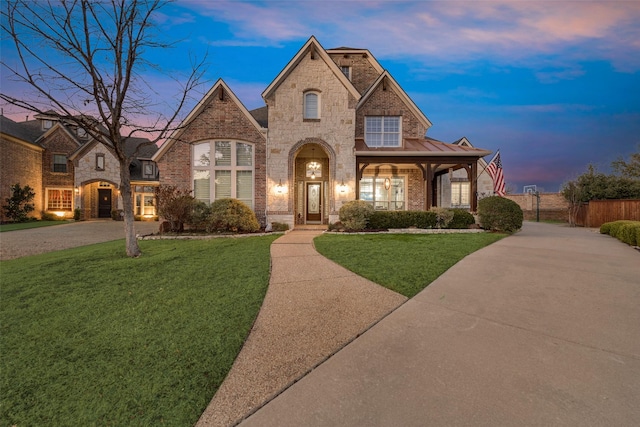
629, 169
19, 204
80, 55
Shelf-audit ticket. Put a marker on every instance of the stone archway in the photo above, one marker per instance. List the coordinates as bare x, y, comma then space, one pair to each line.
311, 172
90, 195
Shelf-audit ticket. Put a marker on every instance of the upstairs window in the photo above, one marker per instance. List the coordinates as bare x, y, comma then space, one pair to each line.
346, 70
47, 124
59, 163
311, 105
148, 169
382, 131
99, 161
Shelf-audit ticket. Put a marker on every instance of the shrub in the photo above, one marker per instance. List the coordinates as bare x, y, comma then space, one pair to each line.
175, 205
48, 216
443, 216
624, 230
461, 219
199, 217
355, 215
19, 204
117, 215
500, 214
383, 220
279, 226
76, 214
232, 215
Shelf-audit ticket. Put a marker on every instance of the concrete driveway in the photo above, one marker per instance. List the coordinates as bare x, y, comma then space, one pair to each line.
15, 244
539, 329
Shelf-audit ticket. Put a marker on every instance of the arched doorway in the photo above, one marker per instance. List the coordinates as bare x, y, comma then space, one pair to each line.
312, 189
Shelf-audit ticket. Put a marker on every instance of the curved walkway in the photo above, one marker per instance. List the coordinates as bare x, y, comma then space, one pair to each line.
541, 328
313, 308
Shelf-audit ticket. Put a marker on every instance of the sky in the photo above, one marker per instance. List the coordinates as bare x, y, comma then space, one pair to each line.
553, 85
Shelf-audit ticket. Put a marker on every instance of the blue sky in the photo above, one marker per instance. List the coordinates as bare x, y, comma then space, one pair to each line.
554, 85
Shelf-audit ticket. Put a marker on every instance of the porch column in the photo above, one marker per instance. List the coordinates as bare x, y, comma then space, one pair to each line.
429, 186
473, 188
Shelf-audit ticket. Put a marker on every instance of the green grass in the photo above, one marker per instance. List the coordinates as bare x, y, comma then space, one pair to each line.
91, 337
29, 224
404, 263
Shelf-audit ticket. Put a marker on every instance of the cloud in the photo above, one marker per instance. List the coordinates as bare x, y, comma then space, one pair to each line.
443, 32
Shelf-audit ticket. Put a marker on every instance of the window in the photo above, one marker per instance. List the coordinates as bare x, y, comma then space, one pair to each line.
99, 161
311, 105
59, 199
459, 194
382, 131
81, 133
59, 163
232, 171
384, 193
346, 70
47, 124
148, 169
145, 201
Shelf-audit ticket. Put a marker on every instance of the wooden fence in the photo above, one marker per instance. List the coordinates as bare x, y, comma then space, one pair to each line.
597, 212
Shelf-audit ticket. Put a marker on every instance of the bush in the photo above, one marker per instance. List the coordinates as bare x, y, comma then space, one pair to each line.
200, 216
461, 219
76, 214
231, 215
19, 204
624, 230
117, 215
384, 220
443, 216
175, 205
355, 215
500, 214
279, 226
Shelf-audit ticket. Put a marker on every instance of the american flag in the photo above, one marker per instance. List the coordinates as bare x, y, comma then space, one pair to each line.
495, 171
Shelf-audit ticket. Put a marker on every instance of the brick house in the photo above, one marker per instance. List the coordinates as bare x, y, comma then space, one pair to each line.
67, 169
336, 127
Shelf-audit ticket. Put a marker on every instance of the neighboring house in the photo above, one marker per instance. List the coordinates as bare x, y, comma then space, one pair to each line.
67, 169
336, 127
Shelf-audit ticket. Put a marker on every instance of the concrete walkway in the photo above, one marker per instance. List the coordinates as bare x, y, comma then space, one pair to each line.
539, 329
313, 308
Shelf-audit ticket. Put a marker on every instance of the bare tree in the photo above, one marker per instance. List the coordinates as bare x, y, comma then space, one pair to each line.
84, 60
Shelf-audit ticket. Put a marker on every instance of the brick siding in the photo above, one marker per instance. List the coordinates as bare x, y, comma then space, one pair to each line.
20, 164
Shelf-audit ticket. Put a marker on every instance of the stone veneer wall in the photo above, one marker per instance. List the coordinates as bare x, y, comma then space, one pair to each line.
485, 185
219, 119
287, 129
20, 164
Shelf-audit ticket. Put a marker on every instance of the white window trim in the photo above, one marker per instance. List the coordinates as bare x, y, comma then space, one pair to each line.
58, 189
318, 104
348, 73
212, 168
383, 176
455, 202
382, 132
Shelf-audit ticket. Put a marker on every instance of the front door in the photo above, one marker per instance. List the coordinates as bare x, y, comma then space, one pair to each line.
104, 203
314, 202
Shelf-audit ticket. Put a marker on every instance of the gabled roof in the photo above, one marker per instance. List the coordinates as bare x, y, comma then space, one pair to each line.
464, 142
353, 51
196, 112
21, 131
53, 128
385, 79
312, 45
420, 147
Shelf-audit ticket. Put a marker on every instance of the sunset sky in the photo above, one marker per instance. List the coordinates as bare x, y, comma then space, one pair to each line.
555, 85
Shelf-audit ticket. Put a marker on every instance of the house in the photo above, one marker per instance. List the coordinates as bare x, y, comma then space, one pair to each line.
336, 127
69, 170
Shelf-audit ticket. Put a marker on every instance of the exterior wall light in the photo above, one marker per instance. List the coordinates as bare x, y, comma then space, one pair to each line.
387, 183
279, 187
343, 187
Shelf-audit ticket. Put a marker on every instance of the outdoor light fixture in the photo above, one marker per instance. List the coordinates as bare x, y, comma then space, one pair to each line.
387, 183
279, 187
343, 187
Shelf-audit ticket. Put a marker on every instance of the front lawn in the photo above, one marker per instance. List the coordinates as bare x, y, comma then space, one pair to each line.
29, 224
404, 263
91, 337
